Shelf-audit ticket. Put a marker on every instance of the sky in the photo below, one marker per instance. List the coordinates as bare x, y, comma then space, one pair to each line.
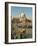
17, 10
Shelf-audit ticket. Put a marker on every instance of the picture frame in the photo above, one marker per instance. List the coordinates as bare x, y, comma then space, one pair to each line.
15, 18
